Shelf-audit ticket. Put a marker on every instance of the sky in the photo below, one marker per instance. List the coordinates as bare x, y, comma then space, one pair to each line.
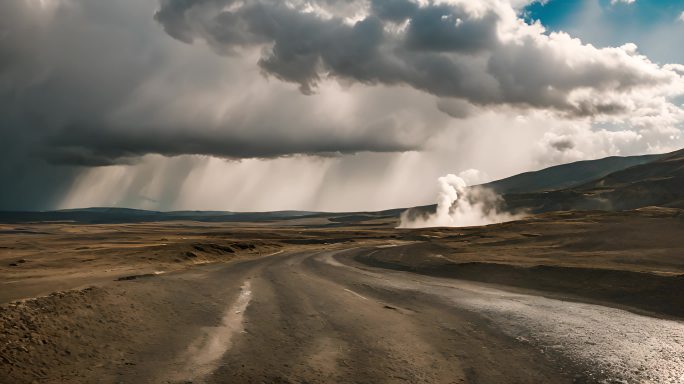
328, 105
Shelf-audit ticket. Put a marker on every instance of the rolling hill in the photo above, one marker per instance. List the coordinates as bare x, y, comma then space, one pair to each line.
659, 182
567, 175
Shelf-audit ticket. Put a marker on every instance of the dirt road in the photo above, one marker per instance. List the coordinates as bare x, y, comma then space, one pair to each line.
320, 317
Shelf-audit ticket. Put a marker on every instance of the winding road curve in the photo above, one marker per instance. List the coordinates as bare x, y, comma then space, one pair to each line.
321, 317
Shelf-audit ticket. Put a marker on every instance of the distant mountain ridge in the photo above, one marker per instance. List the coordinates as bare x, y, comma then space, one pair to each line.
658, 182
567, 175
110, 215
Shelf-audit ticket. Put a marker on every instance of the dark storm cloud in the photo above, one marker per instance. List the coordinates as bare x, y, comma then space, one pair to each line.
69, 68
88, 146
50, 75
442, 48
446, 29
455, 108
394, 10
562, 144
74, 93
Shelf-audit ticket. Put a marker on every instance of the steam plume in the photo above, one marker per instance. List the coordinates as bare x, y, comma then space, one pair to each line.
459, 206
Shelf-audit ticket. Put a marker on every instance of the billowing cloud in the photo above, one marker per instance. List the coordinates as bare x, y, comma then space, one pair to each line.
92, 84
480, 52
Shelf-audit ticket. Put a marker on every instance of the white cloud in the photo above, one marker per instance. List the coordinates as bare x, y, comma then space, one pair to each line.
613, 2
681, 17
489, 57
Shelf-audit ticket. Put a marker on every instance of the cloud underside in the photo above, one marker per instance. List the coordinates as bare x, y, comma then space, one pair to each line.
79, 145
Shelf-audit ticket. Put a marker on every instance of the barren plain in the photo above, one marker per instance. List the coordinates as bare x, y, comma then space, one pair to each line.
558, 297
